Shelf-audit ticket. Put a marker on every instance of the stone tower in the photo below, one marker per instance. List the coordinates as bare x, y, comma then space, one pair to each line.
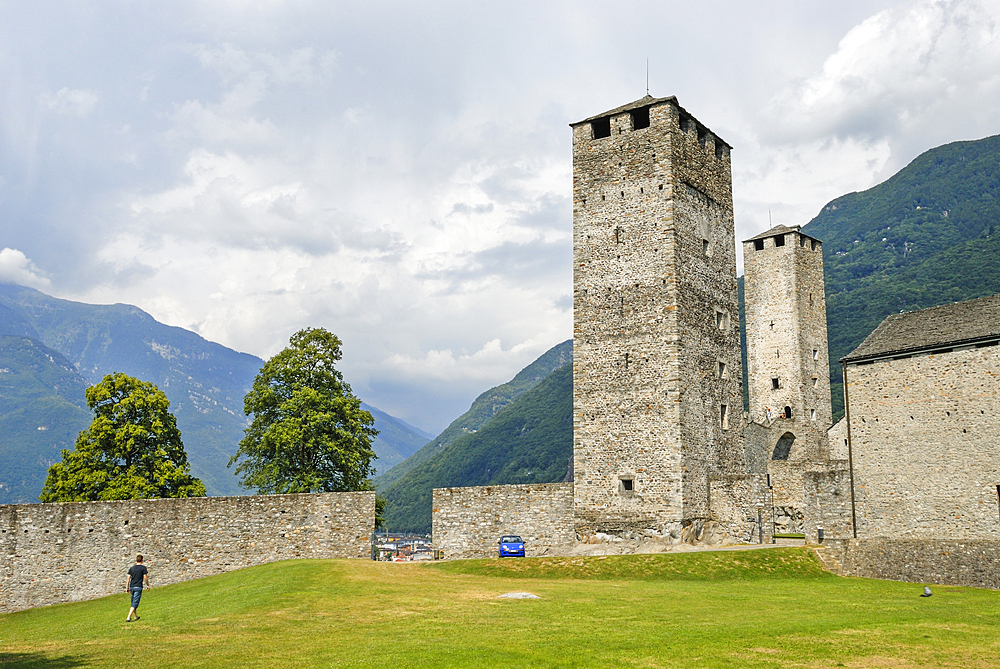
788, 365
657, 394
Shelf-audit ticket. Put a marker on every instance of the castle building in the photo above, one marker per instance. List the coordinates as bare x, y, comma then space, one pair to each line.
922, 404
906, 486
657, 387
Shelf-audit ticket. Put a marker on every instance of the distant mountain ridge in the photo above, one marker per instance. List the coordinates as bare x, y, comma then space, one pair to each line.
396, 441
45, 337
42, 409
518, 432
485, 407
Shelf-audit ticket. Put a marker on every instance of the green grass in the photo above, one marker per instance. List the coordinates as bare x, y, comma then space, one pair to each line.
769, 608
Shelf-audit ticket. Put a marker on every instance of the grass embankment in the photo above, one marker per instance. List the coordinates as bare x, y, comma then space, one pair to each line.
770, 608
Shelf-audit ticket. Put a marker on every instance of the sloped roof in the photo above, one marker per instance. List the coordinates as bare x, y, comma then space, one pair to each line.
781, 229
649, 101
937, 327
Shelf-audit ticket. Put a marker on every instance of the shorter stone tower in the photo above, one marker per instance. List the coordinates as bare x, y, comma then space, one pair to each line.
787, 360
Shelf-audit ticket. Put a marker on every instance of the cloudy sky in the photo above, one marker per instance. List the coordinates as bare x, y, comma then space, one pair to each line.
400, 173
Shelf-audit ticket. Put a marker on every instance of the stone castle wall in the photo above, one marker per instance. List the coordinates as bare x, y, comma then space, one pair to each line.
654, 263
972, 563
827, 503
52, 553
926, 445
836, 437
468, 522
738, 503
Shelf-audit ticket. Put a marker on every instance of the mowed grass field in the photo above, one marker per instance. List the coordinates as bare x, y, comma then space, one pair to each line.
762, 608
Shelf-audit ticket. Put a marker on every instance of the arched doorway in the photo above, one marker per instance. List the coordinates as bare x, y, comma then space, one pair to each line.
783, 447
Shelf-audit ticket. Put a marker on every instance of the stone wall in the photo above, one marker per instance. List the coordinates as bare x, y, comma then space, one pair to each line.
836, 436
51, 553
756, 448
737, 502
971, 563
827, 503
926, 445
468, 522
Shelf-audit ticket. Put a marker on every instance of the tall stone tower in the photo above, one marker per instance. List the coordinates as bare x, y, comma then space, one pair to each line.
787, 360
657, 390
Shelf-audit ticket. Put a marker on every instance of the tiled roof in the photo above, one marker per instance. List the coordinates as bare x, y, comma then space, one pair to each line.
938, 327
781, 229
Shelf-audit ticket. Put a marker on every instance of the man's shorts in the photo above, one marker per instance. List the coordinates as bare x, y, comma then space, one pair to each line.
136, 596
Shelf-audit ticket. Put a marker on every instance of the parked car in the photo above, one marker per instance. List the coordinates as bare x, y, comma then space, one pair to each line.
511, 545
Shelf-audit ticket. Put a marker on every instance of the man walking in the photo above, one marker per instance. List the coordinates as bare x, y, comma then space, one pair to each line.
137, 574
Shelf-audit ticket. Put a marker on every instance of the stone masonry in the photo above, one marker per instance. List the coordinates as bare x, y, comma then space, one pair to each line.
787, 358
788, 363
51, 553
656, 362
971, 563
926, 445
468, 522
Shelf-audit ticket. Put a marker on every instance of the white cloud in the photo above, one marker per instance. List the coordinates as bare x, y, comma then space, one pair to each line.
479, 365
898, 68
900, 82
74, 102
15, 267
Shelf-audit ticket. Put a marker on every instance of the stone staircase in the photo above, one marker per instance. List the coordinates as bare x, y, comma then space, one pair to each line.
830, 558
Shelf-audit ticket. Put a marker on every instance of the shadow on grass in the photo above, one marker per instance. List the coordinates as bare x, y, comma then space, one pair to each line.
33, 660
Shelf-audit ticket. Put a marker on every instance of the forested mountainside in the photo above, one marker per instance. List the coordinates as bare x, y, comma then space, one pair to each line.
528, 441
484, 408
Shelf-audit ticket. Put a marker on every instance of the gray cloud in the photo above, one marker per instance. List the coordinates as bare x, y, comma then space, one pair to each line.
401, 173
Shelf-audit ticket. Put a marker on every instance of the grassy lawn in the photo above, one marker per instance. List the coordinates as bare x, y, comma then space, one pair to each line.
769, 608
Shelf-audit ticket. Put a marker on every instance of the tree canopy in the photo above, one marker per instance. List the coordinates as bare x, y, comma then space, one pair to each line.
308, 432
131, 450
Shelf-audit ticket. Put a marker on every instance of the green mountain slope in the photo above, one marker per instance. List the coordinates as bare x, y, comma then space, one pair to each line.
945, 197
42, 409
204, 381
529, 441
926, 236
485, 407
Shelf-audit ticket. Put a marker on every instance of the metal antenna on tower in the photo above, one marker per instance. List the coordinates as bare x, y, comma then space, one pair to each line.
647, 77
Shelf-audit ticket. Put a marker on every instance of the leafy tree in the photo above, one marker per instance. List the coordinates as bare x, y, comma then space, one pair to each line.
131, 450
308, 433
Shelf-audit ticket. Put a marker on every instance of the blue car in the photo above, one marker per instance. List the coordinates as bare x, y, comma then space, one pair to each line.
511, 545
